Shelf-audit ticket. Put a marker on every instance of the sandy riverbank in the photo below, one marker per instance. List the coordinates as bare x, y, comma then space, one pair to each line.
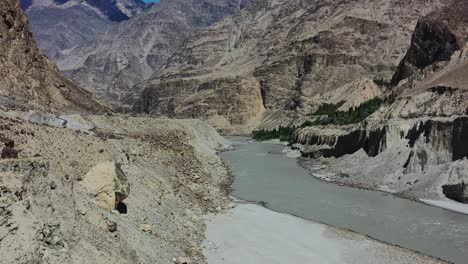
253, 234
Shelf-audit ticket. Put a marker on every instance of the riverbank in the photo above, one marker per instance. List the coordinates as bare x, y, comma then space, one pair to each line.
319, 169
252, 234
269, 175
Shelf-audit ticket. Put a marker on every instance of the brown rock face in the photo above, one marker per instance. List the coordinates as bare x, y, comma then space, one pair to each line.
435, 39
26, 77
297, 50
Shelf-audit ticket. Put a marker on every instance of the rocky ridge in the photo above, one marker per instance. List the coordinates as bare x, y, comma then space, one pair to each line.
134, 50
59, 25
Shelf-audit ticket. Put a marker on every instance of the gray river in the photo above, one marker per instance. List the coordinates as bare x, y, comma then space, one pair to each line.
263, 174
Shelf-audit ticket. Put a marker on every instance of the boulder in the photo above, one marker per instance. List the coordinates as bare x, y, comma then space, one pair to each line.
107, 182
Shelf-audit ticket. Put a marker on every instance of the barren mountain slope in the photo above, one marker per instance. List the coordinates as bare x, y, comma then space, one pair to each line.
62, 24
134, 50
288, 51
59, 175
416, 144
27, 78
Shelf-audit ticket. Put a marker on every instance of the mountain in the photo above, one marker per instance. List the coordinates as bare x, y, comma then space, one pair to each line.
135, 50
375, 92
28, 79
78, 187
415, 144
279, 57
62, 24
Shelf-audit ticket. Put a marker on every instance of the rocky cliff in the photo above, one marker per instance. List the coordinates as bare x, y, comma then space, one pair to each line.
135, 50
27, 78
62, 24
415, 144
292, 52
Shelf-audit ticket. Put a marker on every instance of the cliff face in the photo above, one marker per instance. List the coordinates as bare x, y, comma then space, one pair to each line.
28, 78
134, 50
62, 24
415, 144
235, 110
295, 50
436, 39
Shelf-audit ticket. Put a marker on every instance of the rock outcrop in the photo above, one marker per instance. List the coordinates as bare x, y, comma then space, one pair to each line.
135, 50
296, 51
436, 38
235, 110
108, 183
62, 24
27, 77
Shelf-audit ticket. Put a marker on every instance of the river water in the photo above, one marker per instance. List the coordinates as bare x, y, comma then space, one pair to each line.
264, 174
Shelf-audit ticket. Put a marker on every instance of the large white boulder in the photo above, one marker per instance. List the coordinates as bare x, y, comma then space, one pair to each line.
107, 182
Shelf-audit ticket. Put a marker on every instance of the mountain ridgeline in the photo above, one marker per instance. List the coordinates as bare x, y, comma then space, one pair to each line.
63, 24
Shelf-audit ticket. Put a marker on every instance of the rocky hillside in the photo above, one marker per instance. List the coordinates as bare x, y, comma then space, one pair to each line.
131, 190
62, 24
95, 188
28, 79
416, 143
281, 57
137, 49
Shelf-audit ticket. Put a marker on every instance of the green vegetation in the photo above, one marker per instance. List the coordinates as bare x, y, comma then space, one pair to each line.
328, 109
333, 117
352, 116
382, 82
283, 133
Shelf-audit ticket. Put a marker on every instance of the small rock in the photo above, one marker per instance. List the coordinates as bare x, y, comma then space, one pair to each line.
54, 223
27, 204
146, 228
111, 226
10, 143
9, 153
